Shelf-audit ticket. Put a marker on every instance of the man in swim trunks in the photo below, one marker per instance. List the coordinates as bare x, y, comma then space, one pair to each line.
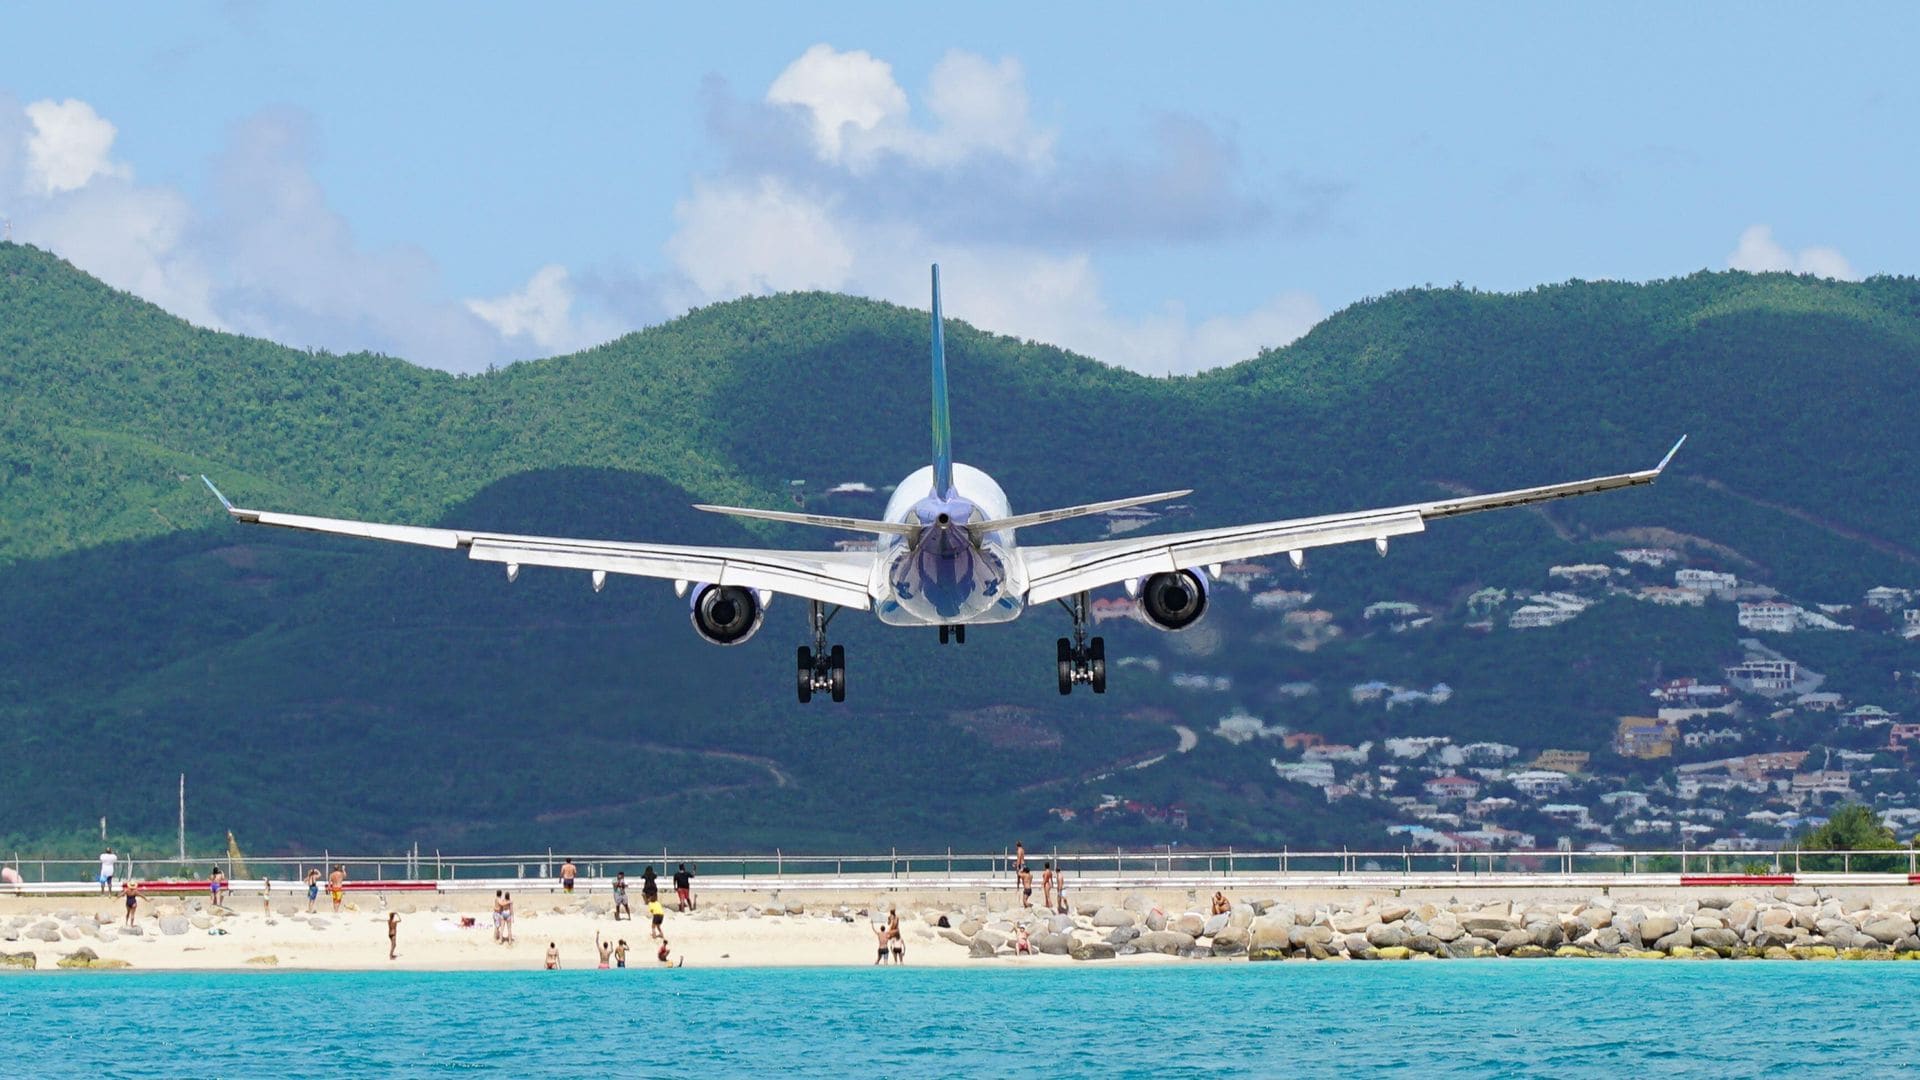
881, 935
1026, 887
132, 893
393, 934
567, 873
313, 888
683, 886
620, 954
620, 897
1046, 885
337, 886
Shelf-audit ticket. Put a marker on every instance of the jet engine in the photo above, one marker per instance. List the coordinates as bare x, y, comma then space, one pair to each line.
1174, 601
726, 614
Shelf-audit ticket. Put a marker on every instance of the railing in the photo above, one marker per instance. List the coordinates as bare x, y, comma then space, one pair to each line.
1173, 865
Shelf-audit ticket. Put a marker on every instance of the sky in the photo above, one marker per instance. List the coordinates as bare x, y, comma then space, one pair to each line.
1165, 187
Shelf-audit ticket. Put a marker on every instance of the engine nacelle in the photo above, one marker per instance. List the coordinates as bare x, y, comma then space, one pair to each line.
1174, 601
726, 614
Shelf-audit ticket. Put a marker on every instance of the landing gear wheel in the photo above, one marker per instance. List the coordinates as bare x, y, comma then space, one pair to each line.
1097, 664
960, 635
806, 674
1064, 657
943, 633
837, 673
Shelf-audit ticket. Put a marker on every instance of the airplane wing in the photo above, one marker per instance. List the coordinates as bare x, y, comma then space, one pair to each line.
831, 577
1065, 569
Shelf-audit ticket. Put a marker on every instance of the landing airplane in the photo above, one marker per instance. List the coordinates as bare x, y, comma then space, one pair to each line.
946, 557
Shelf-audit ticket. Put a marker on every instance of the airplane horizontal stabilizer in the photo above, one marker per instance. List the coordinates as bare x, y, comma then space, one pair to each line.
825, 521
1042, 517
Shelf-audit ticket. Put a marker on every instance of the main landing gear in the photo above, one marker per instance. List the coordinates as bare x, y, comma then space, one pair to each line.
957, 634
822, 668
1081, 659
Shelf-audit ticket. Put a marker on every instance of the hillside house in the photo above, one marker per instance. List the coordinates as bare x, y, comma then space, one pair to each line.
1868, 716
1546, 609
1900, 736
1644, 737
1242, 575
1562, 761
1489, 753
1653, 557
1764, 675
1571, 813
1281, 600
1625, 802
1821, 701
1301, 740
1693, 740
1413, 747
1887, 598
1671, 597
1311, 773
1687, 691
1489, 806
1705, 581
1771, 617
1837, 783
1539, 783
1351, 755
1451, 788
1583, 573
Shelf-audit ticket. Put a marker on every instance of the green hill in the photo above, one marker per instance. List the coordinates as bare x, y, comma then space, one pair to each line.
321, 691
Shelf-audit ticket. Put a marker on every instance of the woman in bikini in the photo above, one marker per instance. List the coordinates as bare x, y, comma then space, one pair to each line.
553, 956
506, 916
605, 949
894, 941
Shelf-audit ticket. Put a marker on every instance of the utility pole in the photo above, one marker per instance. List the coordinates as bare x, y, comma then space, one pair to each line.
183, 817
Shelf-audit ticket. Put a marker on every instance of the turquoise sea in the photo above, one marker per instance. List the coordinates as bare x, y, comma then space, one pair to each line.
1555, 1018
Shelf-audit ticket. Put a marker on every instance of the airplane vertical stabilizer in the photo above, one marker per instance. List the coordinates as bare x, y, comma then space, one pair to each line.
942, 426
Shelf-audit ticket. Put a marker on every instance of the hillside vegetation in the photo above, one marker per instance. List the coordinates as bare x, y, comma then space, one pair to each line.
323, 691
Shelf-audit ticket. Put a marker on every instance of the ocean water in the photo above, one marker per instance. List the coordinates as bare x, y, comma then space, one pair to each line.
1558, 1018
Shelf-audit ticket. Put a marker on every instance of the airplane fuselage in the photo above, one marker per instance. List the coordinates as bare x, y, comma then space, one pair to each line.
948, 575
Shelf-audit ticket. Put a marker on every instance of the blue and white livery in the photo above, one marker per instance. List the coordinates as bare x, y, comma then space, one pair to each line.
945, 556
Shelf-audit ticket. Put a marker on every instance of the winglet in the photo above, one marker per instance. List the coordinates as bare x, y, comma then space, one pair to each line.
1662, 467
216, 493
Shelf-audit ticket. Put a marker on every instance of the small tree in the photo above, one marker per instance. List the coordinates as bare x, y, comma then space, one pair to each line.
1852, 827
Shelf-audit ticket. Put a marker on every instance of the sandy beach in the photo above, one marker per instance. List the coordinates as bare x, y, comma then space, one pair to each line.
446, 931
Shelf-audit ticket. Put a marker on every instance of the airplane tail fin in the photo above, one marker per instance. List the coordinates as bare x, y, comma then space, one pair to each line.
942, 425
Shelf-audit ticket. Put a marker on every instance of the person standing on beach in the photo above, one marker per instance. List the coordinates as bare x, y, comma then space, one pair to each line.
894, 940
881, 936
506, 915
132, 894
499, 916
604, 948
1019, 857
683, 887
620, 954
1046, 885
1026, 887
649, 886
217, 885
313, 888
659, 914
393, 934
107, 861
266, 897
620, 897
553, 956
337, 886
567, 872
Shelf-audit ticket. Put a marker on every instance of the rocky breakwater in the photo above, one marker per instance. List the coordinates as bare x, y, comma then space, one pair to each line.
1098, 931
1783, 924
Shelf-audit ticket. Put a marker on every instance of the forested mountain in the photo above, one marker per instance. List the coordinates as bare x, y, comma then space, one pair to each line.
328, 692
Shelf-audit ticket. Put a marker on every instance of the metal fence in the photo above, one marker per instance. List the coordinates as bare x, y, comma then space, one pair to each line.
1087, 867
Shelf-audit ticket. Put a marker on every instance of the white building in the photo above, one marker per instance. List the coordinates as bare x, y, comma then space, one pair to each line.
1764, 674
1654, 557
1539, 783
1888, 598
1625, 802
1311, 773
1415, 746
1705, 581
1772, 617
1583, 573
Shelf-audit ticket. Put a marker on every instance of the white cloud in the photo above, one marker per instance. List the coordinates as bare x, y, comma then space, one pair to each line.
70, 145
542, 313
1758, 252
840, 90
757, 237
132, 238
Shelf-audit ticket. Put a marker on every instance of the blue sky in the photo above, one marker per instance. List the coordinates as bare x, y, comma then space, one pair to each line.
1168, 189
